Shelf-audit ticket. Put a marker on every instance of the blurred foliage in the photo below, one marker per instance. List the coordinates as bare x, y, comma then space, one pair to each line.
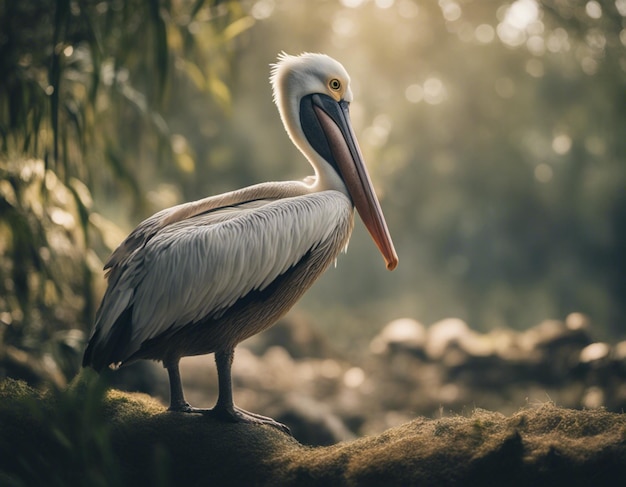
45, 279
83, 90
72, 70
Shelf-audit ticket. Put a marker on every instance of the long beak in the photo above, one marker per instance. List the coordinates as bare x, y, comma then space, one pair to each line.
334, 119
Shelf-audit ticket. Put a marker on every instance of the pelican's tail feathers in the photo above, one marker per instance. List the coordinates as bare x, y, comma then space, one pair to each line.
110, 349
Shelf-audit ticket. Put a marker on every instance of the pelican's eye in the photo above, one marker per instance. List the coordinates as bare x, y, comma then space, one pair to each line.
334, 84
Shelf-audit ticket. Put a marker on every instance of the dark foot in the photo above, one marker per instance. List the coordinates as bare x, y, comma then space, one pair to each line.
235, 415
238, 415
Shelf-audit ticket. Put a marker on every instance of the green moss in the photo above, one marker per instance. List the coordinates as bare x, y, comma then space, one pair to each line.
88, 436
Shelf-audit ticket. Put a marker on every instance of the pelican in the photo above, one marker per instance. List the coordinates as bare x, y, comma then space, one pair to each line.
200, 277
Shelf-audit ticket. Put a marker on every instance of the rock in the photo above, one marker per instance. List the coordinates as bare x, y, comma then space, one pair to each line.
87, 436
311, 421
595, 353
444, 333
404, 334
297, 335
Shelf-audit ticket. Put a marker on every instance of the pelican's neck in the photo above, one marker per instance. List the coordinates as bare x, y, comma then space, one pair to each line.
325, 178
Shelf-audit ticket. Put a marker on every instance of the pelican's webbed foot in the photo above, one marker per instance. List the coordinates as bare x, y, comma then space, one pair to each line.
238, 415
231, 415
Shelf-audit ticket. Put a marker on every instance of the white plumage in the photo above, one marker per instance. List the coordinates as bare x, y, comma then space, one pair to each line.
197, 268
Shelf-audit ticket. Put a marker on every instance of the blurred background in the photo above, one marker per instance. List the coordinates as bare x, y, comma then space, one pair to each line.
494, 131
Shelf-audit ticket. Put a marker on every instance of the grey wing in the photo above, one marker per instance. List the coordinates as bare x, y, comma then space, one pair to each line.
199, 267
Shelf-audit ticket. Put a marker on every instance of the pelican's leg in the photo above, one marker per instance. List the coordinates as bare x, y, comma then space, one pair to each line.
225, 408
177, 397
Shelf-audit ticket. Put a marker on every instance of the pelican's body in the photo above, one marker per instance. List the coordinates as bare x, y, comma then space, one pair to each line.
201, 277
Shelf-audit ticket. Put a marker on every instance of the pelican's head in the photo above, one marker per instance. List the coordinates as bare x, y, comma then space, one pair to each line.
297, 78
294, 77
312, 93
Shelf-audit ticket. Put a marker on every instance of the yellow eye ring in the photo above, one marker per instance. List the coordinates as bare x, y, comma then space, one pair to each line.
334, 84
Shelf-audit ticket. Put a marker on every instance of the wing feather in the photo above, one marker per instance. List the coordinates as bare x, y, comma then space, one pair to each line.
199, 267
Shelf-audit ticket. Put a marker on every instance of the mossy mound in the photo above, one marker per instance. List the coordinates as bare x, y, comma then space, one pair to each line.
86, 435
